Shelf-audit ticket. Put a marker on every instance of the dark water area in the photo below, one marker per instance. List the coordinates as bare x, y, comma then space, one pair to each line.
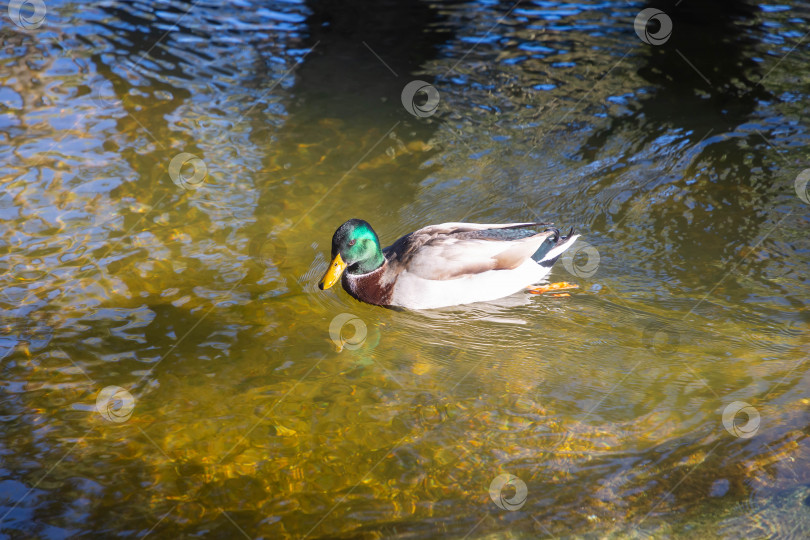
172, 174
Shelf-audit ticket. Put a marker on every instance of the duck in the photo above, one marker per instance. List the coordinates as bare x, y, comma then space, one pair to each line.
444, 265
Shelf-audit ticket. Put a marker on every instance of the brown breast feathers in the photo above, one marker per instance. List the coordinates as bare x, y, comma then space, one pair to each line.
370, 288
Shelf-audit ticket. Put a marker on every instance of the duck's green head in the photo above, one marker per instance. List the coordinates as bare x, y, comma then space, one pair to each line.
356, 249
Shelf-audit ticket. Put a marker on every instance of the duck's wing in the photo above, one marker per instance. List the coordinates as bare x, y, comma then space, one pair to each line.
454, 250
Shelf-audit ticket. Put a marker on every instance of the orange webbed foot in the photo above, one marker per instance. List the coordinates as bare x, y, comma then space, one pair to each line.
562, 285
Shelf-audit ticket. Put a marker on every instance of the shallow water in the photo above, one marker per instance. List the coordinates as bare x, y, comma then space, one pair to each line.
193, 287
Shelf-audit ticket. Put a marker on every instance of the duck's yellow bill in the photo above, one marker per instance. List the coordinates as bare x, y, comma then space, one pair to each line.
336, 268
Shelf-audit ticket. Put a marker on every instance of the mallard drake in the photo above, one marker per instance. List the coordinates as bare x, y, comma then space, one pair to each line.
443, 265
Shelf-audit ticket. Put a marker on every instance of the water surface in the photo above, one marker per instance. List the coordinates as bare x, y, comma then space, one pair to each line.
193, 288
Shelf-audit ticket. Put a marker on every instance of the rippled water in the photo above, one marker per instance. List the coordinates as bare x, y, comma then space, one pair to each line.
192, 288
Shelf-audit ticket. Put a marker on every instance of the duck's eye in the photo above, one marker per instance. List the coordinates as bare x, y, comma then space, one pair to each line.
352, 242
